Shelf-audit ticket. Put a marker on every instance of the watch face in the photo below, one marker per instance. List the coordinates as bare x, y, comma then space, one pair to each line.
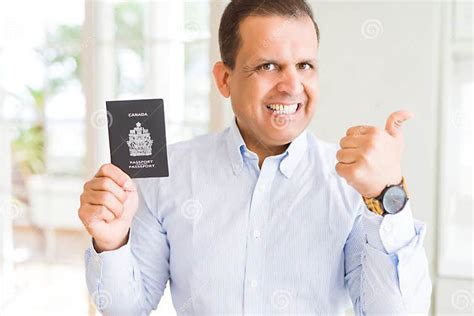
394, 199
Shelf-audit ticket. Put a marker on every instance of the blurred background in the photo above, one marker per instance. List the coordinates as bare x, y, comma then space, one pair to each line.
61, 60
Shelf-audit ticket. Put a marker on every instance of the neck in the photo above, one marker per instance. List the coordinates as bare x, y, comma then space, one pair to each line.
265, 151
261, 149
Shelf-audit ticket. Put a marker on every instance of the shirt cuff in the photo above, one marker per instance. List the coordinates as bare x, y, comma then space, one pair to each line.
391, 232
115, 260
94, 252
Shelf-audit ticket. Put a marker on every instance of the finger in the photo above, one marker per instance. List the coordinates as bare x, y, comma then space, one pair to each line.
352, 141
106, 199
359, 130
394, 122
113, 172
107, 184
100, 212
130, 186
89, 214
347, 156
343, 169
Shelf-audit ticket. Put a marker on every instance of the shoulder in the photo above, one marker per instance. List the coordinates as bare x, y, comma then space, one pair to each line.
202, 144
324, 154
198, 153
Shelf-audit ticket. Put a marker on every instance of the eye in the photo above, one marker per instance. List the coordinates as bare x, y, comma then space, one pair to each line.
267, 67
305, 66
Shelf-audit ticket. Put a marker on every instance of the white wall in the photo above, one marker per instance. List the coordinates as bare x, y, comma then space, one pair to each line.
363, 80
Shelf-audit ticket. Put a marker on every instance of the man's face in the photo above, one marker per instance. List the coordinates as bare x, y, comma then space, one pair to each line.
274, 85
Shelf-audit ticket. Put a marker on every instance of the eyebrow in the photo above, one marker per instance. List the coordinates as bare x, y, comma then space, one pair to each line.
273, 61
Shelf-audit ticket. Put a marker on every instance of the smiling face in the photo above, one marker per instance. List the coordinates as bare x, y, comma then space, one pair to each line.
274, 84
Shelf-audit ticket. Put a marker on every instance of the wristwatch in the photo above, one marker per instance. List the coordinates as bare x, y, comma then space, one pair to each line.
391, 201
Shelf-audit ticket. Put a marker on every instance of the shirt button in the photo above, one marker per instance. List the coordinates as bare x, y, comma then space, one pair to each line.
389, 241
387, 227
253, 283
256, 234
261, 188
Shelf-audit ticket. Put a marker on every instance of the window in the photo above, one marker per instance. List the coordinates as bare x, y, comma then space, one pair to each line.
146, 49
456, 189
197, 68
140, 43
150, 49
43, 95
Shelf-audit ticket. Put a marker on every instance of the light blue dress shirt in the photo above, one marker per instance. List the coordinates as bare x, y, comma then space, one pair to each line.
292, 237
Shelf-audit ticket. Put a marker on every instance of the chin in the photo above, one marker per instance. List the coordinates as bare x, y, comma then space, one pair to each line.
283, 136
284, 129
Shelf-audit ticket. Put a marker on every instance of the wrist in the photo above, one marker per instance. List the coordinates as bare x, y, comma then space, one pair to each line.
391, 200
378, 191
100, 246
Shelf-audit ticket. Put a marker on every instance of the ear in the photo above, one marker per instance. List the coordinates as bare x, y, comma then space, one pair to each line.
221, 77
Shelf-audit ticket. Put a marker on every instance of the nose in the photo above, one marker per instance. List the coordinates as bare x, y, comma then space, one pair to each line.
290, 82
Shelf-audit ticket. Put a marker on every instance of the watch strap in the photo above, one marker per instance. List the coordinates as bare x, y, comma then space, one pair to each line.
373, 205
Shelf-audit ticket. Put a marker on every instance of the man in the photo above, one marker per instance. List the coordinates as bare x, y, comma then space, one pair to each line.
262, 218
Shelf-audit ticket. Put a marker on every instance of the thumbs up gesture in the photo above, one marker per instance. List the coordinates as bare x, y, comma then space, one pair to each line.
370, 158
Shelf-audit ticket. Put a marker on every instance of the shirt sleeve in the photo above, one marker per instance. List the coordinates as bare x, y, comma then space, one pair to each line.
386, 270
131, 280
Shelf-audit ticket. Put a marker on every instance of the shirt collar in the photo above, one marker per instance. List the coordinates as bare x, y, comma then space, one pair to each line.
290, 158
235, 142
294, 153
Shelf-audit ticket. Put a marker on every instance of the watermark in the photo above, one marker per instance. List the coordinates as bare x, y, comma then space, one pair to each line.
280, 122
13, 30
192, 27
358, 130
88, 42
281, 299
463, 300
461, 120
372, 28
191, 209
101, 119
11, 208
189, 302
102, 299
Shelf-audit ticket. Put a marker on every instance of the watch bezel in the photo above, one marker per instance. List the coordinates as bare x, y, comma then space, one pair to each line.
381, 198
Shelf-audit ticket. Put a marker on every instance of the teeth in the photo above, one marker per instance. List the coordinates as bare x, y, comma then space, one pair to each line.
283, 109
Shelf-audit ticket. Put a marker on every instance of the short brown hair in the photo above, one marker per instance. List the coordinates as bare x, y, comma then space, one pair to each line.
237, 10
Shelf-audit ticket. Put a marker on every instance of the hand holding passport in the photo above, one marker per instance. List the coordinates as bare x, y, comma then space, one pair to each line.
137, 137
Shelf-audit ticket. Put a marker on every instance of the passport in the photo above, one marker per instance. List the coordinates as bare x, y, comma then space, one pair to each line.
137, 137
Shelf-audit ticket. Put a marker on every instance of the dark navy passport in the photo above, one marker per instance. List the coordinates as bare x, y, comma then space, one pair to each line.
137, 137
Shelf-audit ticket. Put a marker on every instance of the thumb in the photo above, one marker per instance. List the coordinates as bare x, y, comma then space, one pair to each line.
395, 120
129, 186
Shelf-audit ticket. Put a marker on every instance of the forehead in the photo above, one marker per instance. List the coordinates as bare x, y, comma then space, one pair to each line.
277, 38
